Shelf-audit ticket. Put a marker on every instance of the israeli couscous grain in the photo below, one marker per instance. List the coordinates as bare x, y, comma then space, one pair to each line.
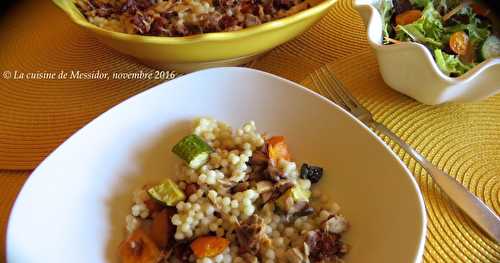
247, 202
186, 17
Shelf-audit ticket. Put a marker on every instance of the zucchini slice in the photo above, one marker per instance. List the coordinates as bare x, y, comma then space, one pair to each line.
167, 192
193, 150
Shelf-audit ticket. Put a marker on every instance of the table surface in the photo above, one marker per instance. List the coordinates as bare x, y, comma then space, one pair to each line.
38, 115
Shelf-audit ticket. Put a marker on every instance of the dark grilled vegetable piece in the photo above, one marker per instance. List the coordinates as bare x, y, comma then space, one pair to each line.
182, 251
190, 189
259, 163
311, 172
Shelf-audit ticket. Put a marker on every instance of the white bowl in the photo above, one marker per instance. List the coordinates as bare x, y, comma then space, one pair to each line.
410, 68
72, 208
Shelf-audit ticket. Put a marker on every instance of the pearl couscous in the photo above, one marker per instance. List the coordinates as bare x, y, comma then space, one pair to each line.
239, 198
177, 18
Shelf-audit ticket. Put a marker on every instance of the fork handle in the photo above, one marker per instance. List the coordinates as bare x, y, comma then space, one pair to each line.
479, 212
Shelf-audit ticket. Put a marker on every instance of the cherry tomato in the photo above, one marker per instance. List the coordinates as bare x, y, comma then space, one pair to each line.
408, 17
459, 42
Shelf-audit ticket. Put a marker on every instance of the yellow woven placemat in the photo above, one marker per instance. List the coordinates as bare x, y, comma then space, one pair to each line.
461, 139
37, 115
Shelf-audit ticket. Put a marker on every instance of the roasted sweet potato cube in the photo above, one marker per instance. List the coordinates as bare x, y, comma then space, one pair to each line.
139, 248
162, 229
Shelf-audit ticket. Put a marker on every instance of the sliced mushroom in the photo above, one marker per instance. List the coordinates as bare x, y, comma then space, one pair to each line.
240, 187
247, 257
294, 255
307, 250
277, 191
259, 158
305, 210
250, 235
299, 209
273, 174
263, 186
266, 196
336, 224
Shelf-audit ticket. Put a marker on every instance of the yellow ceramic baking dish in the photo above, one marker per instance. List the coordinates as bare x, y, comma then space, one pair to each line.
204, 50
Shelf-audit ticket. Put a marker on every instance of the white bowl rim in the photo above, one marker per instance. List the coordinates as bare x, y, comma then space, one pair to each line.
377, 45
224, 71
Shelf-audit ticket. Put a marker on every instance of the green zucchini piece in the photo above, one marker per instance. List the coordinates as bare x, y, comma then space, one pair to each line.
167, 192
491, 47
193, 150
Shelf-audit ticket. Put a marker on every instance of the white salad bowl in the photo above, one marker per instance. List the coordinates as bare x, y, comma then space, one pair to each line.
410, 68
73, 206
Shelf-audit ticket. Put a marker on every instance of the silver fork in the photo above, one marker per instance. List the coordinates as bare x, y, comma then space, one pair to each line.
480, 213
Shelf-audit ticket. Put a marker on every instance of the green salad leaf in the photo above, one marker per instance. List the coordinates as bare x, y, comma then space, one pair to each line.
477, 33
431, 31
450, 64
427, 30
420, 3
444, 6
386, 9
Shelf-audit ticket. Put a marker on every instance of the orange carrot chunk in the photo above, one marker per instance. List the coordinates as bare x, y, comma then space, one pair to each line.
209, 246
139, 248
459, 41
277, 148
408, 17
